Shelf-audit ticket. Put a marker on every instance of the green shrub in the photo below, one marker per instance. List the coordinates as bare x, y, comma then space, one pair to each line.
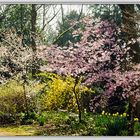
12, 101
27, 118
111, 125
137, 129
11, 98
20, 117
41, 120
6, 118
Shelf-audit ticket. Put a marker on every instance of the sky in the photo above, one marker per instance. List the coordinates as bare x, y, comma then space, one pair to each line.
66, 8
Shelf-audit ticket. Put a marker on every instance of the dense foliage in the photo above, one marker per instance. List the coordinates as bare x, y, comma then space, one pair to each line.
64, 31
13, 102
109, 12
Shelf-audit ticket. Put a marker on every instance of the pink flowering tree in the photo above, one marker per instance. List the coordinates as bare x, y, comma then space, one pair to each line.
98, 53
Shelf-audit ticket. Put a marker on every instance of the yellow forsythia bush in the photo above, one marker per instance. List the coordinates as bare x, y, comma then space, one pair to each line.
59, 93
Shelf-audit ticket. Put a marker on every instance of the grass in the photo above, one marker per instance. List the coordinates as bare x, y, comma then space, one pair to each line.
63, 124
57, 123
22, 130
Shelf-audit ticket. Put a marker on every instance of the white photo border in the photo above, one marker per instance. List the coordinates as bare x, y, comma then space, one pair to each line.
71, 2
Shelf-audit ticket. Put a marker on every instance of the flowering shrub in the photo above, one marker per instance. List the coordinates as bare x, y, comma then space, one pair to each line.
12, 57
113, 124
59, 93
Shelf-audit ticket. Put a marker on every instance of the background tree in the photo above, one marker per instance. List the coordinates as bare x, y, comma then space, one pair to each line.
17, 17
33, 36
14, 64
47, 31
65, 35
110, 12
130, 30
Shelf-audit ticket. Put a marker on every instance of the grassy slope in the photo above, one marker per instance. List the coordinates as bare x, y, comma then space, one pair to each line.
24, 130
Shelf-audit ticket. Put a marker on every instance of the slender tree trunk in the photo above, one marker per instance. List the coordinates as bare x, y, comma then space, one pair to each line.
33, 34
21, 17
62, 12
81, 12
77, 101
43, 15
21, 24
25, 98
33, 26
24, 92
131, 117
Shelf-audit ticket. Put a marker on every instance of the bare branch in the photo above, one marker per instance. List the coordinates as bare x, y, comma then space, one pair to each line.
49, 21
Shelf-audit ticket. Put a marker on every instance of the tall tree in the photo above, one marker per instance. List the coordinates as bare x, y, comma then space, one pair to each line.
130, 30
15, 61
65, 30
33, 26
33, 35
86, 58
130, 33
17, 17
110, 12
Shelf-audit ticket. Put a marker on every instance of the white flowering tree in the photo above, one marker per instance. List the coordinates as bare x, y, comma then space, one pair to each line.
15, 60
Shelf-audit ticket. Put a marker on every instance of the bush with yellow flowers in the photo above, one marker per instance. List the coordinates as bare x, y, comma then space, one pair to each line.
59, 92
113, 124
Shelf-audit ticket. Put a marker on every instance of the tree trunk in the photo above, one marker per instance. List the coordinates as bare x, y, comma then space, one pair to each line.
131, 118
25, 98
21, 17
80, 14
33, 26
44, 10
62, 13
21, 32
24, 92
33, 33
77, 101
128, 21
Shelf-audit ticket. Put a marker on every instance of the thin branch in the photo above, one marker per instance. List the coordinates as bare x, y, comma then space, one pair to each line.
64, 33
49, 21
48, 8
39, 7
81, 11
